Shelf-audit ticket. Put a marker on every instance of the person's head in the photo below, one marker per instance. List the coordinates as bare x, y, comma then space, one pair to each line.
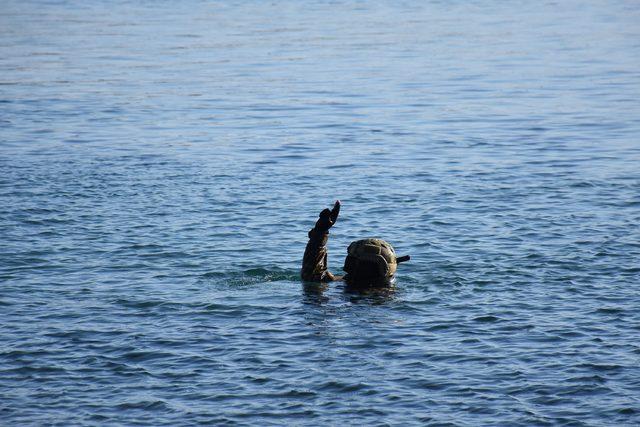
371, 261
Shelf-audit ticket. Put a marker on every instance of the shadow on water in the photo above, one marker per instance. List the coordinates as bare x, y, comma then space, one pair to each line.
373, 295
314, 293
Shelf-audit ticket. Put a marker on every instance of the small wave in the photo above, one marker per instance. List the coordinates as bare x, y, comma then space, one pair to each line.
253, 276
601, 367
140, 304
34, 370
138, 356
609, 310
486, 319
144, 404
338, 386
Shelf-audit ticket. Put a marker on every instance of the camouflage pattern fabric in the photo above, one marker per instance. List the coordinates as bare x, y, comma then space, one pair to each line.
370, 259
314, 263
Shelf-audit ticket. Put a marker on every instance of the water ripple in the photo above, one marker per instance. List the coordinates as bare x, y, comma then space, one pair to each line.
157, 186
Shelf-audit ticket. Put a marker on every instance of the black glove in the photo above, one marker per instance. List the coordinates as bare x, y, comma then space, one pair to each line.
328, 218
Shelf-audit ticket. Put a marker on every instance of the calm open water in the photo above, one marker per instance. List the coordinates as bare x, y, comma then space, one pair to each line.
161, 163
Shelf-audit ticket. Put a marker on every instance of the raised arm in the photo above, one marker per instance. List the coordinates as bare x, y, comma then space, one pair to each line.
314, 263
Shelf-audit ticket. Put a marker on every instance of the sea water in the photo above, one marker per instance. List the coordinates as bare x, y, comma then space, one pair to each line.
162, 162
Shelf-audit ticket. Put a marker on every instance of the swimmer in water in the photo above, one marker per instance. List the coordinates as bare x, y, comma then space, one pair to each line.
369, 262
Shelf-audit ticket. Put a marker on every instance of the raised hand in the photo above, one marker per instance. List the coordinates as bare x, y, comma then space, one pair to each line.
328, 217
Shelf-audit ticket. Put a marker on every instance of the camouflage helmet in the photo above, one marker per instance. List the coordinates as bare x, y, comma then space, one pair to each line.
370, 259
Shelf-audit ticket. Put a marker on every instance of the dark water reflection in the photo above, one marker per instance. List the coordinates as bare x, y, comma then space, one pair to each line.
314, 293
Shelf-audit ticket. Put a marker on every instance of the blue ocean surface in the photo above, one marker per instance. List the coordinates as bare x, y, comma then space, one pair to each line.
161, 163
